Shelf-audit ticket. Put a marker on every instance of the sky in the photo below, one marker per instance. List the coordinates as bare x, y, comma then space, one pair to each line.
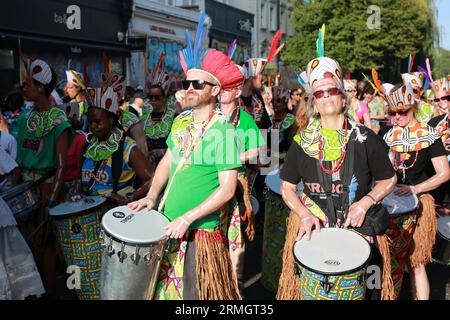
443, 7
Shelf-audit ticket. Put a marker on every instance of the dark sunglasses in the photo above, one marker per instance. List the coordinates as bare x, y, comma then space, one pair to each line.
156, 97
196, 84
350, 90
331, 92
399, 112
416, 91
446, 98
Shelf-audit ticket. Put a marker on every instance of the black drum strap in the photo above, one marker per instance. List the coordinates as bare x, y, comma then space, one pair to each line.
116, 165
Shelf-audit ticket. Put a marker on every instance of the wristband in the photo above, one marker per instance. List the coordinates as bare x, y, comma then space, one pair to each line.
374, 202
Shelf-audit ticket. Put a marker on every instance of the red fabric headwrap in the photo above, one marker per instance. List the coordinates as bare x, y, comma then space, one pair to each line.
223, 68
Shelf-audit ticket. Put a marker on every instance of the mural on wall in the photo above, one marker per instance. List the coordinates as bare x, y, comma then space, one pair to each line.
172, 64
242, 51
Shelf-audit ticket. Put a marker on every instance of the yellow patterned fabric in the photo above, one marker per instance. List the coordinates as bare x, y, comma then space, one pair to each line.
333, 140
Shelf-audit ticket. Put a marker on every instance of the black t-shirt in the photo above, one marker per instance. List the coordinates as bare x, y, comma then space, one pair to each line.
371, 162
435, 121
423, 168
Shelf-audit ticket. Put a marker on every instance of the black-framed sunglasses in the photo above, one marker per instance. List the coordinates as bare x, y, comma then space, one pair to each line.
446, 98
399, 112
196, 84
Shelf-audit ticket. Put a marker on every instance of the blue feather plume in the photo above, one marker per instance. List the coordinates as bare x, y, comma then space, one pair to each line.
193, 56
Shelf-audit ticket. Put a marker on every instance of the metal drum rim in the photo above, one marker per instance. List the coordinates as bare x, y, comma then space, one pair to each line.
76, 213
131, 243
341, 273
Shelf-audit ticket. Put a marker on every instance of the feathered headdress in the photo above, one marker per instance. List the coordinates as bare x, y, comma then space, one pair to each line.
397, 99
320, 43
302, 79
210, 61
108, 95
441, 87
324, 68
192, 57
255, 66
158, 76
76, 78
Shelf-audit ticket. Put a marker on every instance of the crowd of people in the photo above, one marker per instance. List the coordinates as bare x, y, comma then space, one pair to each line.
350, 143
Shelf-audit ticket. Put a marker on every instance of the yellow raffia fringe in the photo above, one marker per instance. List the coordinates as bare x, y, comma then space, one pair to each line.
215, 277
424, 235
289, 283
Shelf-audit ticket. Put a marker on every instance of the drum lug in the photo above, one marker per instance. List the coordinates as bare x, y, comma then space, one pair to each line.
110, 249
102, 238
326, 285
121, 254
135, 257
148, 257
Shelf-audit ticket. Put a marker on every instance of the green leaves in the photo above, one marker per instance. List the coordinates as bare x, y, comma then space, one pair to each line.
406, 26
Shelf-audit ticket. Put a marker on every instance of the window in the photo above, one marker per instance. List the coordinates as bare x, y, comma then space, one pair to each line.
273, 19
263, 18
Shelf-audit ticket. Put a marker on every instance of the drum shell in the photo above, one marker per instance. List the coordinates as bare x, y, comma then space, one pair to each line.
351, 285
128, 280
22, 199
441, 250
79, 237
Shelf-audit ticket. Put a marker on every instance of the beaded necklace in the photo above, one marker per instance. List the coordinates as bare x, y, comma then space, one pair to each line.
341, 159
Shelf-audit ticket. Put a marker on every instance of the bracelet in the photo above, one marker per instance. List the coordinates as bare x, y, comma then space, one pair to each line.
374, 202
185, 221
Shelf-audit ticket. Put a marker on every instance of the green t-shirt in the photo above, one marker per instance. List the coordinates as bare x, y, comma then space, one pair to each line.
36, 144
249, 135
199, 177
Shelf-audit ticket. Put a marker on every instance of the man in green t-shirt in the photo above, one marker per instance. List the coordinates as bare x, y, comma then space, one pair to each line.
240, 226
204, 182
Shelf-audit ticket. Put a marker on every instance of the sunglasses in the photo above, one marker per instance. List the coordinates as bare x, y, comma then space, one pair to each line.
350, 90
446, 98
331, 92
399, 112
416, 91
196, 84
154, 97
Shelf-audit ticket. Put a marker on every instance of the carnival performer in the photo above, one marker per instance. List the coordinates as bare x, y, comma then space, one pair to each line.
111, 159
76, 91
19, 276
357, 110
282, 120
325, 151
200, 167
43, 138
239, 223
158, 112
251, 99
441, 123
420, 161
376, 108
424, 111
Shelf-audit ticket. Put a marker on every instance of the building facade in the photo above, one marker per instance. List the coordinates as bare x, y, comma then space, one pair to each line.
63, 32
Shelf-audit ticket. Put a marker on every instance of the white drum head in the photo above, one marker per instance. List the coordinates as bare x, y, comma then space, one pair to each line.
400, 204
70, 208
444, 227
332, 251
273, 182
140, 227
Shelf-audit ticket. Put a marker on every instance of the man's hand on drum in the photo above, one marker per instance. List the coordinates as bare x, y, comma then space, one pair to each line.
357, 213
405, 190
147, 202
307, 222
177, 228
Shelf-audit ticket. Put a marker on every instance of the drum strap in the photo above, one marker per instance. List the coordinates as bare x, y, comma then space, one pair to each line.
116, 165
346, 177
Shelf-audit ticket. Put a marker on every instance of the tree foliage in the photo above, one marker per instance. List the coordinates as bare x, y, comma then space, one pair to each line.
406, 26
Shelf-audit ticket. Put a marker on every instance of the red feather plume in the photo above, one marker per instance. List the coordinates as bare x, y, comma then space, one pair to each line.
274, 49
